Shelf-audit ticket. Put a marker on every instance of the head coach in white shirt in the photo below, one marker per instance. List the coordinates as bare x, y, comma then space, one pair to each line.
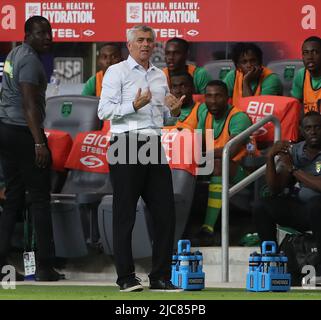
135, 97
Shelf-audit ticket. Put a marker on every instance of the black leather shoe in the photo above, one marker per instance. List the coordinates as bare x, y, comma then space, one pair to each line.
163, 286
132, 285
48, 274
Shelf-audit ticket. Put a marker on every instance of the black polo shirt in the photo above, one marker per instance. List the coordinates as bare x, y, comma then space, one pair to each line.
303, 162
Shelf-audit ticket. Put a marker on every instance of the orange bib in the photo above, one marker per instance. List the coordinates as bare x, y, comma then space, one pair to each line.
224, 137
99, 83
99, 87
238, 85
190, 122
311, 97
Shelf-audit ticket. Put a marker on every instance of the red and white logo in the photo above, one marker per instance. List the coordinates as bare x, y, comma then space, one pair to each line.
89, 33
91, 162
259, 110
32, 9
134, 12
192, 33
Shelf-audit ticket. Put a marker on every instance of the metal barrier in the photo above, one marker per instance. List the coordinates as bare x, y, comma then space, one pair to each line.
227, 193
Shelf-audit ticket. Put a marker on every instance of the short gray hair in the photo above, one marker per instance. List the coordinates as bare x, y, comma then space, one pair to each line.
131, 32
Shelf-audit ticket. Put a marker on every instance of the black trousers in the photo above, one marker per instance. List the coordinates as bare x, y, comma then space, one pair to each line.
21, 174
153, 182
288, 212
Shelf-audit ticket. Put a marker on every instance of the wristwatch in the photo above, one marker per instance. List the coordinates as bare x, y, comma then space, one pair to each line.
40, 145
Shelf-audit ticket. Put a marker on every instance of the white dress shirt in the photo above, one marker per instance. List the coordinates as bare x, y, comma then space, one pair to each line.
119, 89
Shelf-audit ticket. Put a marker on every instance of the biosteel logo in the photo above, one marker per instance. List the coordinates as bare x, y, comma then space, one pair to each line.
95, 144
259, 110
91, 162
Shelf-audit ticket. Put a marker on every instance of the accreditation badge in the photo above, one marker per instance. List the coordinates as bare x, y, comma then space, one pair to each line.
29, 262
318, 166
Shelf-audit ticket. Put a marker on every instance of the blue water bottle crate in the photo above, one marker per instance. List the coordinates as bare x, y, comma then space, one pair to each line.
187, 267
268, 271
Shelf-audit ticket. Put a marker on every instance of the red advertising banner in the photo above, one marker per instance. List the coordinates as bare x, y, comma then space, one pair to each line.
182, 149
89, 151
203, 20
286, 109
60, 143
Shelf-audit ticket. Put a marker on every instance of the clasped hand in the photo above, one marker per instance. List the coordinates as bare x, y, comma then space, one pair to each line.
282, 149
253, 75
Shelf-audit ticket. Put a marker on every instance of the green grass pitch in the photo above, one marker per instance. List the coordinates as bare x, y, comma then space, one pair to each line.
43, 292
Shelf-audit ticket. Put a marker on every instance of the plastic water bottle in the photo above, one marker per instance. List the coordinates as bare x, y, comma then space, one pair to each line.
54, 83
254, 261
284, 262
251, 147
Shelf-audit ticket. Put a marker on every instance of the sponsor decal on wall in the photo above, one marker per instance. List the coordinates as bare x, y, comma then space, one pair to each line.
70, 69
67, 17
285, 21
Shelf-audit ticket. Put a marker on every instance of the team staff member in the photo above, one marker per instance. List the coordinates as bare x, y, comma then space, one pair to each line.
133, 98
176, 51
109, 54
182, 88
299, 163
226, 122
307, 82
25, 156
250, 78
